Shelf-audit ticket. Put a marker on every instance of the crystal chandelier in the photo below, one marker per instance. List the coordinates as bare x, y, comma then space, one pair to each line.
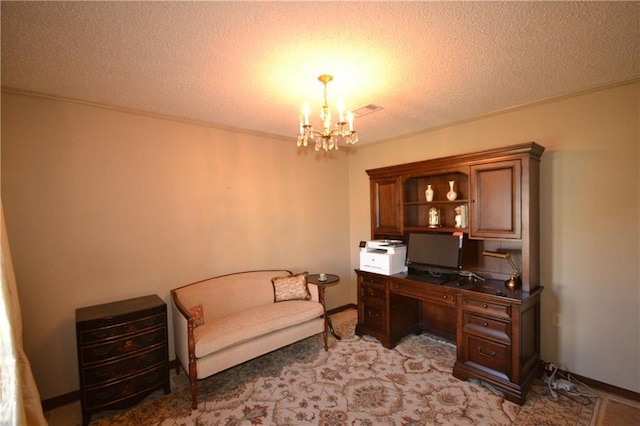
327, 138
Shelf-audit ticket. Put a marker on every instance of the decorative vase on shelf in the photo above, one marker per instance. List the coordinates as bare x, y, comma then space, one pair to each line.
428, 193
451, 195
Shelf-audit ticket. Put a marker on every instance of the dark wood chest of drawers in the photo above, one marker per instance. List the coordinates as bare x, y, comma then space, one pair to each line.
122, 353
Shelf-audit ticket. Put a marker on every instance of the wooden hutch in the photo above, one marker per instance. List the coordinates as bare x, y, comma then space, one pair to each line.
496, 329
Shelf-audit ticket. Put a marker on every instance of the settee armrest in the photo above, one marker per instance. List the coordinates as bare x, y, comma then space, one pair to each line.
183, 325
314, 290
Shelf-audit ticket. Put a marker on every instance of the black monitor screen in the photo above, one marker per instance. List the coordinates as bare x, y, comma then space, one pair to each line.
434, 252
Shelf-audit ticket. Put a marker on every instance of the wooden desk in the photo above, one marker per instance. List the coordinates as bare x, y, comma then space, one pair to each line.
496, 330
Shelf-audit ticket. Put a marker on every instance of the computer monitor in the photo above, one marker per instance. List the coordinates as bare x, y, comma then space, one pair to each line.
435, 252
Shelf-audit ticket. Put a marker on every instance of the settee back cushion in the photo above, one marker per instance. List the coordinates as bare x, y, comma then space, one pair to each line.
229, 294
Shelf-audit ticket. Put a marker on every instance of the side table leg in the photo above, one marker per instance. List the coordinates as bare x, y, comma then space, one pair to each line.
333, 332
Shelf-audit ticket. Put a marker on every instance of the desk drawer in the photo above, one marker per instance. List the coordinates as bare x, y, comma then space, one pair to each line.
424, 291
494, 310
485, 327
441, 295
372, 280
372, 293
373, 317
487, 355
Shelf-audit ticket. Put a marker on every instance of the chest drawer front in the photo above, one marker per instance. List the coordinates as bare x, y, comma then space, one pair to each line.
495, 310
119, 369
120, 347
102, 333
98, 316
485, 327
488, 355
121, 391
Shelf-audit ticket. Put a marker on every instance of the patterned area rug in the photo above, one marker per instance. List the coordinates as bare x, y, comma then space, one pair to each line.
357, 382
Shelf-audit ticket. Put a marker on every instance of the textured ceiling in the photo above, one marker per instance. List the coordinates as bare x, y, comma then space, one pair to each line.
252, 65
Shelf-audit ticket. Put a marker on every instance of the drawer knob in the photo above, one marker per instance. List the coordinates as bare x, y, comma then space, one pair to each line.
491, 355
484, 305
445, 297
486, 324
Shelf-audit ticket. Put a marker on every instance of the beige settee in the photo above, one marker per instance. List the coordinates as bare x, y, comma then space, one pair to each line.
224, 321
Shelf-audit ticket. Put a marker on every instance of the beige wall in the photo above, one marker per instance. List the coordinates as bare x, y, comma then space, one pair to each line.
103, 205
589, 208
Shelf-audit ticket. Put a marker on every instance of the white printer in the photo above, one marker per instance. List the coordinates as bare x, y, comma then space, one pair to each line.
386, 257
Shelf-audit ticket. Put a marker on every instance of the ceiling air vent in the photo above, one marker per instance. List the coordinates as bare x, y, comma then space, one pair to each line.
366, 110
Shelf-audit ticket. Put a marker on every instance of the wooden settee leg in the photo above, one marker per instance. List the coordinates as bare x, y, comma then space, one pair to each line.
194, 395
193, 368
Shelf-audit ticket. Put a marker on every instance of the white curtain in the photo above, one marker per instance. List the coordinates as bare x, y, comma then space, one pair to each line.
20, 400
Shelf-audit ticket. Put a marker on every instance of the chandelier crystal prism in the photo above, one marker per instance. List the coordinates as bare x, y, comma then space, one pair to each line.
327, 138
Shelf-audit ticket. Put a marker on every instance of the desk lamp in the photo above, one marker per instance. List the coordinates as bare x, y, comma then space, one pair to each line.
514, 279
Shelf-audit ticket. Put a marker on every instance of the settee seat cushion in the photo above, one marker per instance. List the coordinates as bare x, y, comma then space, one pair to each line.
251, 323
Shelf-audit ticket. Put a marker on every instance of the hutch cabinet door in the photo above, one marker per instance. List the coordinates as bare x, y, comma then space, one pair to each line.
385, 200
496, 200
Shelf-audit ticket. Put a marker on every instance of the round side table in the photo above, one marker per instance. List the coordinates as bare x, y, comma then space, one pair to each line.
330, 280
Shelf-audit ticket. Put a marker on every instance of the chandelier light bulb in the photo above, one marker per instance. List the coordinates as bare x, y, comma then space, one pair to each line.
305, 111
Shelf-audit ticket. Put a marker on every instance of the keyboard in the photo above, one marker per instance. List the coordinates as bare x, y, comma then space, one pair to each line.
434, 279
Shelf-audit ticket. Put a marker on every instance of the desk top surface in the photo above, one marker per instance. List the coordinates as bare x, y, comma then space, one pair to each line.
464, 284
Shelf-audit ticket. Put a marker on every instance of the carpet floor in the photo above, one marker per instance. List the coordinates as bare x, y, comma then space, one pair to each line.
357, 382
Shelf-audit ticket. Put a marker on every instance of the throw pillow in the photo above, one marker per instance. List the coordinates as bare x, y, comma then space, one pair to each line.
197, 313
293, 287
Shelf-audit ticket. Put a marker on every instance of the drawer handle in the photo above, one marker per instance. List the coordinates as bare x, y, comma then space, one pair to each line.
491, 355
445, 297
100, 334
102, 351
150, 339
372, 315
484, 305
486, 324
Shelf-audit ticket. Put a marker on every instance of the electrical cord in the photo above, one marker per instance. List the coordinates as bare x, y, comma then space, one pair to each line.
567, 386
549, 380
469, 274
